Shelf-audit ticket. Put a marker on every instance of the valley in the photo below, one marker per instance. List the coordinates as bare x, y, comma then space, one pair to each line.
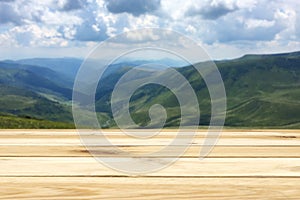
262, 91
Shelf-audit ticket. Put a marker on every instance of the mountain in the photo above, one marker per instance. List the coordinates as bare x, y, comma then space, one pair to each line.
27, 104
164, 62
65, 66
262, 91
35, 78
41, 88
30, 96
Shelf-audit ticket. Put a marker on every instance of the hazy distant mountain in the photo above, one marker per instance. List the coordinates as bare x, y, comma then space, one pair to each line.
163, 63
35, 78
69, 67
65, 66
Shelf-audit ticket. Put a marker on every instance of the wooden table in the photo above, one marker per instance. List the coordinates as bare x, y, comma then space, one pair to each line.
245, 164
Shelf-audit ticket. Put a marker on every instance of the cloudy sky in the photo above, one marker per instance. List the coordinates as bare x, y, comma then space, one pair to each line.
72, 28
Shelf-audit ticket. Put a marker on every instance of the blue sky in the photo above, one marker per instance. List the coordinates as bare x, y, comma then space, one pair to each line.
72, 28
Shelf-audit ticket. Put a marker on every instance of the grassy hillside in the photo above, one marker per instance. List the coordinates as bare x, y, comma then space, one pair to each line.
266, 91
25, 103
262, 91
13, 122
35, 78
33, 97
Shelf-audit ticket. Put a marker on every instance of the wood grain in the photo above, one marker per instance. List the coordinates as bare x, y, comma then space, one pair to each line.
245, 164
121, 140
191, 167
192, 152
78, 188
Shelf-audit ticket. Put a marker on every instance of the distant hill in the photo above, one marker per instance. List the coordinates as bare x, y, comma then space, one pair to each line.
65, 66
262, 91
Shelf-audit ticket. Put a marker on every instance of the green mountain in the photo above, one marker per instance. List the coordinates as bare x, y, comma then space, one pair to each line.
262, 91
30, 105
35, 78
30, 96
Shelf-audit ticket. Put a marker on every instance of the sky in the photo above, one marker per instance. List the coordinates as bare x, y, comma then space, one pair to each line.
73, 28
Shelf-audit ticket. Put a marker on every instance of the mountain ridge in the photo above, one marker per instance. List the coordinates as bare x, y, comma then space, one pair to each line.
262, 91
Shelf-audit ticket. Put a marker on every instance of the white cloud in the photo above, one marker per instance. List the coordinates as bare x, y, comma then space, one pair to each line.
6, 41
142, 35
60, 18
35, 36
256, 23
235, 25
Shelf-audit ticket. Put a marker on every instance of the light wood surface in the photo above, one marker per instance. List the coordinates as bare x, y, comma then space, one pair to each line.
84, 188
192, 152
245, 164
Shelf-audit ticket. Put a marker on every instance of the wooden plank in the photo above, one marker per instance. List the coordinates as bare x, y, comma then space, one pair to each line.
185, 167
192, 152
71, 137
53, 188
163, 135
122, 141
53, 132
53, 164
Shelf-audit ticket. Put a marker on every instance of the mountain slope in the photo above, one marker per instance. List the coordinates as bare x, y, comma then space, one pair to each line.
262, 91
14, 122
34, 78
26, 103
64, 66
